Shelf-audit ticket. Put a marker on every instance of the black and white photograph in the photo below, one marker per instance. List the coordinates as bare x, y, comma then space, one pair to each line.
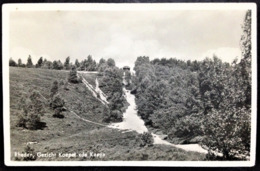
129, 84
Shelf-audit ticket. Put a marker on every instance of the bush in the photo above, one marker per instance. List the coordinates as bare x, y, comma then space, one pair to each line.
146, 139
33, 109
113, 116
66, 86
37, 102
33, 121
21, 120
189, 126
62, 82
228, 132
12, 62
73, 77
54, 88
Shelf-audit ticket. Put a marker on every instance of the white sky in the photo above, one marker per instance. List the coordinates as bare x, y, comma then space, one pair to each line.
124, 36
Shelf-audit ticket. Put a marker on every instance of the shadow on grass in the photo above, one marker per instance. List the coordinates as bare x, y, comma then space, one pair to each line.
58, 116
41, 125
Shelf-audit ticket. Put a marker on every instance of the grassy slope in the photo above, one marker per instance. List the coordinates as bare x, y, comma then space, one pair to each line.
71, 134
91, 78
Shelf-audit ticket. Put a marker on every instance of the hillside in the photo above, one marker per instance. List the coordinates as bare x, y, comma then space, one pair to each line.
72, 134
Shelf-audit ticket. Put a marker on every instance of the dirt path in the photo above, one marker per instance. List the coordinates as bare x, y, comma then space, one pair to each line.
132, 122
95, 91
88, 120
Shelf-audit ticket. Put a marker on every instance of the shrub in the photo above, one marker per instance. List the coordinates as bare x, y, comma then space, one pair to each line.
33, 121
12, 62
33, 109
73, 78
37, 102
189, 126
66, 86
228, 132
54, 88
113, 116
146, 139
62, 82
57, 104
22, 119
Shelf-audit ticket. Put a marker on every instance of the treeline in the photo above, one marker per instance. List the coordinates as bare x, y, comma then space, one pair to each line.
205, 101
88, 64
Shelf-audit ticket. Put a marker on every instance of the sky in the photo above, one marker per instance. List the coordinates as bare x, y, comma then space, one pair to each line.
125, 35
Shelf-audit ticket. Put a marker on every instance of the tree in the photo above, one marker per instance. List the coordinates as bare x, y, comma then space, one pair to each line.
77, 64
39, 63
111, 62
33, 109
101, 61
228, 124
245, 62
73, 78
20, 64
55, 65
67, 63
83, 65
57, 104
111, 85
12, 62
47, 64
29, 62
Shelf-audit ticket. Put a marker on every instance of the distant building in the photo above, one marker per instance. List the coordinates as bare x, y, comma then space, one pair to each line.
126, 68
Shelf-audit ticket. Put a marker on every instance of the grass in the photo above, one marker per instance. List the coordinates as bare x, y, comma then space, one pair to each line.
90, 78
71, 134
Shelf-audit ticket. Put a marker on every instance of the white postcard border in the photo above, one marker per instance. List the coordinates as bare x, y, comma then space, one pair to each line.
7, 8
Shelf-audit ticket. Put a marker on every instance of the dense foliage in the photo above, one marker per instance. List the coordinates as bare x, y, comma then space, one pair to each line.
209, 99
73, 77
111, 84
32, 109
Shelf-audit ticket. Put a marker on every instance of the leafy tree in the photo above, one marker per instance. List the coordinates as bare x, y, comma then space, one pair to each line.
228, 124
102, 67
29, 62
245, 63
111, 62
111, 85
57, 65
12, 62
101, 61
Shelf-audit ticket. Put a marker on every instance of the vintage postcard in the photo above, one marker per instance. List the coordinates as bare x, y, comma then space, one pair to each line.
129, 84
